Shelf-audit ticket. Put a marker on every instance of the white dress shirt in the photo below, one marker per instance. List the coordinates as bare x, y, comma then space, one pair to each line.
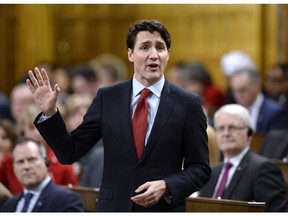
235, 161
36, 193
153, 100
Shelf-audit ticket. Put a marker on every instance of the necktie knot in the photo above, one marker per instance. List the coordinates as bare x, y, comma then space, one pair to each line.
144, 93
228, 165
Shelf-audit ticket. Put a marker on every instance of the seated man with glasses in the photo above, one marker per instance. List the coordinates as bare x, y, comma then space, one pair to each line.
243, 175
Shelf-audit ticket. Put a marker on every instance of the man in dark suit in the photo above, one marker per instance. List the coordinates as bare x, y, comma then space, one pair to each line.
30, 167
175, 159
265, 113
251, 177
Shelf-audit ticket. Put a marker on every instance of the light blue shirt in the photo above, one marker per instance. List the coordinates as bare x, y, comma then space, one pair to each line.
153, 100
36, 193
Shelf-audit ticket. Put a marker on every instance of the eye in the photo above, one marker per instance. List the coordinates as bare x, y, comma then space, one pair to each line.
145, 48
161, 48
19, 162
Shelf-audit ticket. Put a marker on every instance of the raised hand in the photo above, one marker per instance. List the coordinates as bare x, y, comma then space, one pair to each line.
44, 97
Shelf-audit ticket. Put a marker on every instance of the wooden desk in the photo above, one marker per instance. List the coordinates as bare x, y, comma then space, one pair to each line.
88, 195
256, 142
199, 204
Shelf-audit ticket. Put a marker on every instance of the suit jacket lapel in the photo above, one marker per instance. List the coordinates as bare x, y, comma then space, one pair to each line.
42, 198
236, 177
124, 109
164, 110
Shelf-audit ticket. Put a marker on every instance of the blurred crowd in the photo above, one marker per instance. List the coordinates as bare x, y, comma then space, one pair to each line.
267, 103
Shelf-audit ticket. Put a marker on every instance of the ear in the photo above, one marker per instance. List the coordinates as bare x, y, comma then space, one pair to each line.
249, 132
130, 55
47, 162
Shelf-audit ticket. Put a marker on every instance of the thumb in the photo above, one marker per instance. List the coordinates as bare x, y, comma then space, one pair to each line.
56, 89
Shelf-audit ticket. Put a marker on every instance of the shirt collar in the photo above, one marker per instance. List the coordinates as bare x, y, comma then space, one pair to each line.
257, 103
237, 159
39, 188
156, 88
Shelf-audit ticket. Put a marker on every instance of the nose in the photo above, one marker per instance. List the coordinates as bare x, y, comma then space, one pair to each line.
153, 53
26, 164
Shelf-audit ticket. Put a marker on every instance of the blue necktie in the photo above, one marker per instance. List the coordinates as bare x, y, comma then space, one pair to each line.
27, 198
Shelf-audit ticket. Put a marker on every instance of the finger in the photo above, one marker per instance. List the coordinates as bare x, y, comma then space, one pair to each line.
39, 77
142, 187
30, 86
33, 79
45, 77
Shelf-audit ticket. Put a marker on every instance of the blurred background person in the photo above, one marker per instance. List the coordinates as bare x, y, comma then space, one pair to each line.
90, 166
247, 91
277, 84
110, 69
175, 74
243, 175
21, 98
60, 174
8, 137
199, 80
30, 167
84, 80
59, 75
231, 62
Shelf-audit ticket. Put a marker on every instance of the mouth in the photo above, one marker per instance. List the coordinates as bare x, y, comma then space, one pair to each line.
153, 66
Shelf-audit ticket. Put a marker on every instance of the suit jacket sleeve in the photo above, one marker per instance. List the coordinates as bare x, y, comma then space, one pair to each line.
67, 148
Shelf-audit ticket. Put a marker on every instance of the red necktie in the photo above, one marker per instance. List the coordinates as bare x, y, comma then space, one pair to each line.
140, 122
222, 185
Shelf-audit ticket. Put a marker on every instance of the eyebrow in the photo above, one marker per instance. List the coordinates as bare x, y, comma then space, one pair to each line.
149, 42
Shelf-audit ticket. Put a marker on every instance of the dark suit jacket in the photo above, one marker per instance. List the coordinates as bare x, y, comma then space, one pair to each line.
256, 179
270, 116
275, 144
179, 132
52, 199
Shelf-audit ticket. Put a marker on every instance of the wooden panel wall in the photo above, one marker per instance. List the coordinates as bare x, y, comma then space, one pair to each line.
75, 33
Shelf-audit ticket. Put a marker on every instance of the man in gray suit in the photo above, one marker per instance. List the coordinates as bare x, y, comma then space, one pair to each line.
250, 177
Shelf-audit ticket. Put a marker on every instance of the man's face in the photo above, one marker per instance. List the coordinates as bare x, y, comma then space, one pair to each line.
21, 98
276, 83
231, 134
149, 56
29, 166
245, 92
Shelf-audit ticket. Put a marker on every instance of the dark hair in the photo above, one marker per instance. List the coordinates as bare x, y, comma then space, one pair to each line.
85, 71
147, 25
283, 67
197, 71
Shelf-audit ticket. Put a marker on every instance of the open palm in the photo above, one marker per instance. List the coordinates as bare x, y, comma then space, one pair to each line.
44, 97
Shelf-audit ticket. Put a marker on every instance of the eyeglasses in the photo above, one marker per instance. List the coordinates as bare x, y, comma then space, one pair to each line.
230, 128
